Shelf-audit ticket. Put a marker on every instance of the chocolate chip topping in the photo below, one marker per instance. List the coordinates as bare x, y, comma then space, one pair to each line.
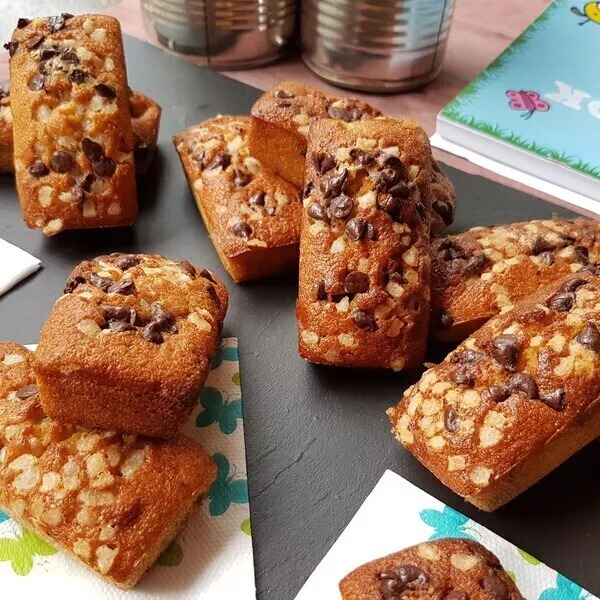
364, 320
541, 244
11, 47
581, 254
422, 212
356, 228
476, 265
61, 161
257, 199
27, 391
317, 212
102, 283
445, 210
340, 206
523, 382
356, 282
35, 41
93, 150
104, 167
462, 375
332, 184
36, 83
125, 287
85, 181
451, 420
444, 320
321, 292
241, 178
56, 23
497, 393
188, 267
364, 159
505, 349
466, 356
323, 162
391, 205
589, 336
77, 195
162, 321
77, 76
337, 112
284, 94
572, 284
590, 268
207, 275
47, 53
270, 210
122, 314
221, 159
562, 302
494, 587
555, 399
105, 91
241, 229
38, 169
394, 583
22, 22
73, 282
456, 595
546, 258
127, 261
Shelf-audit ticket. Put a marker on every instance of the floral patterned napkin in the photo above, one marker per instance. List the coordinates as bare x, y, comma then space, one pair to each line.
397, 515
211, 558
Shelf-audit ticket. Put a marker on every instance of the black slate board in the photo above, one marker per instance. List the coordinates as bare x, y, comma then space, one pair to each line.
317, 438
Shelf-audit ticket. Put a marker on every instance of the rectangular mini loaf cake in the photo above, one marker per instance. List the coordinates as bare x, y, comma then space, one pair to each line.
129, 345
72, 127
278, 138
363, 296
145, 122
445, 569
252, 215
484, 271
515, 400
109, 500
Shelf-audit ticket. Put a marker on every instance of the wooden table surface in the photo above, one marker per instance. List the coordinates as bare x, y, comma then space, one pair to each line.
480, 31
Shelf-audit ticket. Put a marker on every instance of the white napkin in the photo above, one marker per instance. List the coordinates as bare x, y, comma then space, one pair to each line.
211, 559
15, 265
379, 529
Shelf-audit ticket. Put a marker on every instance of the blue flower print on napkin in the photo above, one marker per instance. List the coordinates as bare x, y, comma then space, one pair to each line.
229, 353
218, 410
565, 590
3, 517
447, 523
227, 488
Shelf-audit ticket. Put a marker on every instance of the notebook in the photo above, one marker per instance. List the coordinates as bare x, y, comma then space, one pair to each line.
535, 110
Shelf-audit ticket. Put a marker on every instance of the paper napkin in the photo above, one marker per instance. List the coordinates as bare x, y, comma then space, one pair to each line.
376, 530
15, 265
212, 558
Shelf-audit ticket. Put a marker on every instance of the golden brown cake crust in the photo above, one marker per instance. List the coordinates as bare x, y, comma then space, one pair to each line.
130, 344
364, 252
476, 274
72, 130
514, 400
112, 501
252, 215
446, 569
145, 122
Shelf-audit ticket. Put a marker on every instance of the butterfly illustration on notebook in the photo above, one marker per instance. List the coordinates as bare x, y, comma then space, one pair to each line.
526, 101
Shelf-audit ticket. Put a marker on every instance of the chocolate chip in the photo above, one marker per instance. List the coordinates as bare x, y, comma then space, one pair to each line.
364, 159
221, 159
456, 595
56, 23
35, 41
104, 167
213, 294
591, 268
317, 212
284, 94
11, 47
387, 178
391, 205
270, 210
364, 320
188, 267
581, 254
77, 195
356, 282
495, 587
85, 181
308, 190
77, 76
505, 349
555, 399
572, 284
70, 57
22, 22
164, 317
91, 149
466, 356
66, 16
546, 258
102, 283
257, 199
451, 420
73, 283
400, 190
589, 336
562, 302
496, 393
523, 382
105, 91
332, 184
206, 275
125, 314
371, 232
323, 162
476, 265
283, 103
152, 333
27, 391
406, 577
462, 375
337, 112
120, 326
541, 244
47, 53
422, 212
340, 206
42, 67
36, 83
38, 169
241, 229
241, 178
321, 293
61, 161
355, 228
125, 287
445, 210
450, 253
444, 320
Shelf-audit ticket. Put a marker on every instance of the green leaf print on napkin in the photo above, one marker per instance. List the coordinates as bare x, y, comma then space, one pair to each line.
172, 556
565, 590
21, 550
230, 353
447, 523
527, 557
245, 527
226, 489
218, 410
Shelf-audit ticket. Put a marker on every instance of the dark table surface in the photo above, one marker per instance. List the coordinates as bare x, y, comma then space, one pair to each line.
317, 437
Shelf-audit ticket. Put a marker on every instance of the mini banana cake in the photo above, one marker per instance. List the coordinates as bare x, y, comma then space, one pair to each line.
130, 344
